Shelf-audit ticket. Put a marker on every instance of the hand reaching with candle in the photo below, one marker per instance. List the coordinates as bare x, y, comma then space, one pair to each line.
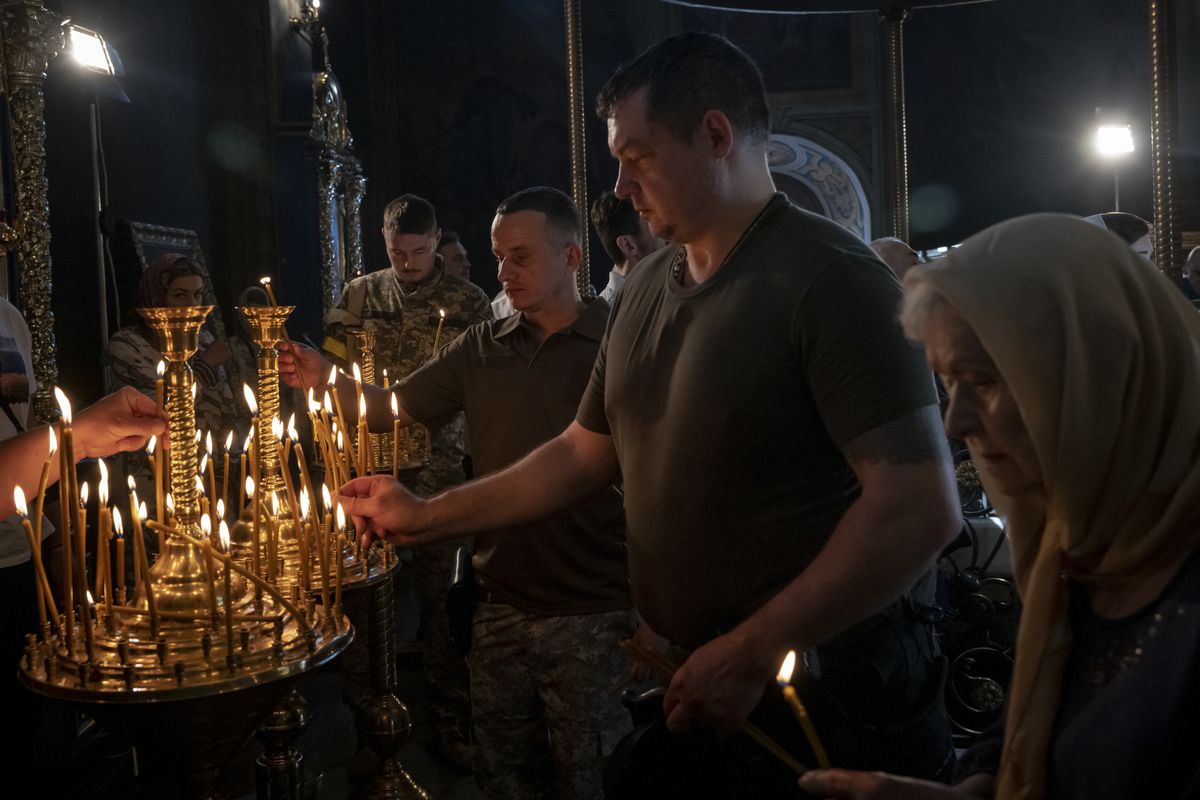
854, 785
301, 367
383, 509
121, 421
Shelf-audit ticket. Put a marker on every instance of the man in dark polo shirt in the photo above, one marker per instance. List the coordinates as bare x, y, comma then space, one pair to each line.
546, 663
786, 481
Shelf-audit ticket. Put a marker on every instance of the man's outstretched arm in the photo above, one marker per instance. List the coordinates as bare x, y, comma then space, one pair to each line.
570, 467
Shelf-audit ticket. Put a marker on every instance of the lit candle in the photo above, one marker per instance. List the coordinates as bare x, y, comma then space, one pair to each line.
337, 402
67, 490
120, 530
159, 491
40, 500
254, 556
206, 526
227, 560
784, 679
364, 438
225, 467
103, 565
302, 538
23, 510
266, 284
142, 568
395, 437
438, 335
340, 557
322, 552
139, 542
212, 472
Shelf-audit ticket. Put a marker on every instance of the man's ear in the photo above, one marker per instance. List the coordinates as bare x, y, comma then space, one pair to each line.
574, 256
717, 131
437, 238
627, 245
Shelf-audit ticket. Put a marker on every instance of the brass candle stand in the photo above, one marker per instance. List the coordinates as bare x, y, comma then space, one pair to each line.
410, 444
188, 667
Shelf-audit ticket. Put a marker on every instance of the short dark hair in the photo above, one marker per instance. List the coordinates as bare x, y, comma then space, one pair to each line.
558, 207
449, 237
1130, 227
613, 216
687, 76
409, 214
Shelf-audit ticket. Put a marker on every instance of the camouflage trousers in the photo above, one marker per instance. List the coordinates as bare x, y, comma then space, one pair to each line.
446, 675
546, 698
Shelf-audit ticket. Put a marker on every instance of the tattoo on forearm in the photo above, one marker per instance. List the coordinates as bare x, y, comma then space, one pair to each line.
914, 438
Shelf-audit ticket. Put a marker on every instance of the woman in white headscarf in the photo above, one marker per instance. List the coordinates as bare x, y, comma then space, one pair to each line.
1073, 369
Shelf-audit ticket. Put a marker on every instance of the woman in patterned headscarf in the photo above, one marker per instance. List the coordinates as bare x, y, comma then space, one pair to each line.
1073, 368
132, 359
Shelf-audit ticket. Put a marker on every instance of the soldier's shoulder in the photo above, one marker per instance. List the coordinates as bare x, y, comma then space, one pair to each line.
463, 290
370, 280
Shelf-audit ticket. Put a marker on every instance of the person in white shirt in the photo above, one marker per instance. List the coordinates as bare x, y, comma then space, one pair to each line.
626, 238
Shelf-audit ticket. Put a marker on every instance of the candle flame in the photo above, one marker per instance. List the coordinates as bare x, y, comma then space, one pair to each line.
785, 670
340, 516
150, 444
395, 406
161, 369
64, 405
442, 313
53, 442
118, 526
19, 501
313, 405
83, 493
385, 380
197, 437
340, 444
304, 504
91, 602
293, 434
203, 462
208, 442
170, 503
246, 443
291, 422
195, 388
251, 403
199, 485
332, 375
143, 512
265, 280
274, 503
206, 525
249, 486
325, 496
276, 427
328, 405
362, 407
220, 509
229, 441
130, 482
102, 487
357, 373
223, 534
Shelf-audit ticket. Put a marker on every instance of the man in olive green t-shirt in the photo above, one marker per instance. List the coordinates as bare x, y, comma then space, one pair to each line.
786, 481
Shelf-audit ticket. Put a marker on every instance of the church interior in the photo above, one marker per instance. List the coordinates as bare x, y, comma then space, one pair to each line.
225, 608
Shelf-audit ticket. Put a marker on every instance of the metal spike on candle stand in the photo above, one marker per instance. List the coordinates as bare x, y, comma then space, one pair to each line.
176, 684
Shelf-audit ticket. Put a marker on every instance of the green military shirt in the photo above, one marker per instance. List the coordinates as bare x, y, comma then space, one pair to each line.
519, 392
405, 320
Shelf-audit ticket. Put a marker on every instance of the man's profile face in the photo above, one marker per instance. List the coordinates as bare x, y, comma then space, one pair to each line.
411, 254
534, 264
454, 257
664, 177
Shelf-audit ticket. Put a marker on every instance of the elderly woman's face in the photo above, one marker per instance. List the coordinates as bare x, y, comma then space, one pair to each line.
982, 411
186, 290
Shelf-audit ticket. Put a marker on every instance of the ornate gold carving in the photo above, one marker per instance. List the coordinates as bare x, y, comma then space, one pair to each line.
896, 123
578, 114
32, 36
1164, 136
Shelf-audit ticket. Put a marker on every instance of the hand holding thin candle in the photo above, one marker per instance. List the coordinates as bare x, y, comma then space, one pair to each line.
382, 508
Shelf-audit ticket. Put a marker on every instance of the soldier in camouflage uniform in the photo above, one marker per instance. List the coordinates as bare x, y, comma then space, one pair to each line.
404, 306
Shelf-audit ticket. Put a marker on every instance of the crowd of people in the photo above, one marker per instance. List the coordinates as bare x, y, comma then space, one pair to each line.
736, 450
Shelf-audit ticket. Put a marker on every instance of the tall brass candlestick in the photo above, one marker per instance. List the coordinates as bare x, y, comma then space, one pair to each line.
178, 577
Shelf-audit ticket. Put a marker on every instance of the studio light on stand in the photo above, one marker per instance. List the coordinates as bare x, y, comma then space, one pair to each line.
1114, 141
100, 67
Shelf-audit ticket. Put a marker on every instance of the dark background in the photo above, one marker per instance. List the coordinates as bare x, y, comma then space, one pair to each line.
465, 101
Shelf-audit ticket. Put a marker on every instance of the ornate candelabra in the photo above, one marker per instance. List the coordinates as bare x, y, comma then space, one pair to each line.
189, 667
